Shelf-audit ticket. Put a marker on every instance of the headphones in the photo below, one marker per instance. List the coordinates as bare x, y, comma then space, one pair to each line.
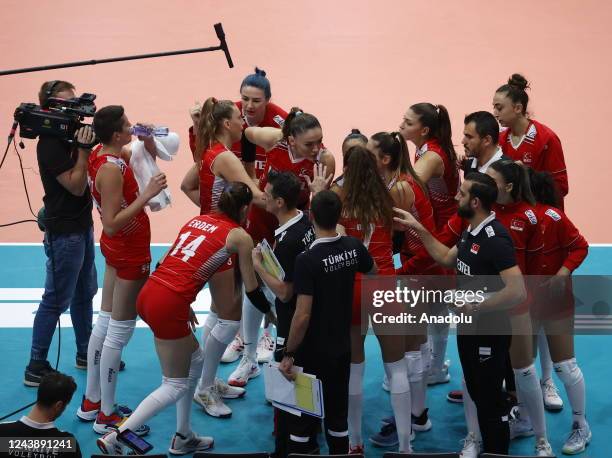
49, 92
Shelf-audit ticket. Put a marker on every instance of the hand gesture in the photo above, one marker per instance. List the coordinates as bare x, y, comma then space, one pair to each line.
257, 256
194, 112
320, 181
193, 320
155, 186
405, 219
286, 368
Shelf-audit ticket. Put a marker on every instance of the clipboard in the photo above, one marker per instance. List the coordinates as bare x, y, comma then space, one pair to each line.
270, 261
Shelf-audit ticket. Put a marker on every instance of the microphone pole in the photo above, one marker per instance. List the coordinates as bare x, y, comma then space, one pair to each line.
221, 47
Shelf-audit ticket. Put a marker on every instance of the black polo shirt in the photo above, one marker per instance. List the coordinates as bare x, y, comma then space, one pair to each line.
64, 212
25, 427
290, 239
326, 271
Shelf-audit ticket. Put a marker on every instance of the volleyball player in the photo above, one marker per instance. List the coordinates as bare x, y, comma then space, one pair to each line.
125, 244
354, 138
202, 248
553, 308
428, 127
525, 139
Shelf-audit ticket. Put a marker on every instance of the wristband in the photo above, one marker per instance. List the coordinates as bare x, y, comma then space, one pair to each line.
258, 299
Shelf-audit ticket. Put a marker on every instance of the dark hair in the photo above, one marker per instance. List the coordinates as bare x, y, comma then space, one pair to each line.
213, 113
543, 187
393, 144
107, 121
437, 119
285, 185
235, 196
517, 175
325, 209
258, 80
55, 387
366, 198
484, 188
515, 90
298, 122
355, 135
54, 87
485, 124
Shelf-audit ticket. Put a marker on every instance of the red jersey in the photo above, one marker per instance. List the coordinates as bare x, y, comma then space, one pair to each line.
131, 244
211, 185
522, 223
274, 117
442, 190
540, 149
563, 246
378, 242
198, 252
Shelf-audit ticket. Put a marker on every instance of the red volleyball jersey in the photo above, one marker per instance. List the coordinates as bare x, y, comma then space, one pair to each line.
522, 223
564, 246
377, 241
274, 117
211, 185
540, 149
198, 252
131, 244
442, 190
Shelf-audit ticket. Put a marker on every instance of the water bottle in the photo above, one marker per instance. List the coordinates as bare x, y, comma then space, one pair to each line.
144, 131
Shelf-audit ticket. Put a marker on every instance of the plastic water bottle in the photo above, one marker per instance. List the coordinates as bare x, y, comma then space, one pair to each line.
144, 131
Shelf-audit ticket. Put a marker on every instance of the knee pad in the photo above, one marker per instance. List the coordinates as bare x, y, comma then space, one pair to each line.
171, 390
569, 372
397, 374
195, 368
101, 327
119, 333
414, 361
225, 331
356, 379
211, 320
524, 377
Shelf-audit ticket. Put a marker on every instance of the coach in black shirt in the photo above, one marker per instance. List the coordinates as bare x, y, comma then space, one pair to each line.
319, 337
485, 249
71, 279
480, 142
294, 234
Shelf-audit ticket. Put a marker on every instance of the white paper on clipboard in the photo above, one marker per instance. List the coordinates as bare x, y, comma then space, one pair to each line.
270, 262
288, 396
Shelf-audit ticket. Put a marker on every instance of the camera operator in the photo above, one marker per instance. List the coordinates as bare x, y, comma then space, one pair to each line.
71, 279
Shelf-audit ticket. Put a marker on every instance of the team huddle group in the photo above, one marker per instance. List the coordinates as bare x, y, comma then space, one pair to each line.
262, 173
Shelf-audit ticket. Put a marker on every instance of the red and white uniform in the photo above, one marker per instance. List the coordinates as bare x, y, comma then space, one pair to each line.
564, 246
540, 149
442, 190
260, 223
128, 250
274, 117
380, 246
211, 185
197, 254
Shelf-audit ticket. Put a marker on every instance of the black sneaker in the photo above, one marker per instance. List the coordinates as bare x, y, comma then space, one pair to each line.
35, 371
81, 363
421, 423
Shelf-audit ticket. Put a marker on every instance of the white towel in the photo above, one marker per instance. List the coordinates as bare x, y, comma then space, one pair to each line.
144, 166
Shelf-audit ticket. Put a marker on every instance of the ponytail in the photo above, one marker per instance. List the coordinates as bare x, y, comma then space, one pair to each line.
213, 113
436, 118
233, 198
298, 122
517, 175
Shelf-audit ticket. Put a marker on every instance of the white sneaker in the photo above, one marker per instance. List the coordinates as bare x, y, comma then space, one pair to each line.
109, 445
233, 350
183, 445
246, 370
211, 402
471, 446
265, 348
437, 376
228, 392
519, 427
385, 383
543, 448
552, 400
578, 439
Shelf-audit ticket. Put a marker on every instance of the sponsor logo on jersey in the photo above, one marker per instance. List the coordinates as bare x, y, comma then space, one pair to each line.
463, 268
532, 217
490, 231
278, 119
553, 214
527, 158
475, 248
517, 225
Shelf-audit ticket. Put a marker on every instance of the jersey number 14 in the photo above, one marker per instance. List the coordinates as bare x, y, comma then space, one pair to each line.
188, 250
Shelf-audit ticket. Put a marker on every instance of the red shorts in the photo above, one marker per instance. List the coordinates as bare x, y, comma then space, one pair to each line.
131, 271
165, 311
133, 266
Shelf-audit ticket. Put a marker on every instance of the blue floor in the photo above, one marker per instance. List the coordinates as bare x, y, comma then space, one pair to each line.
250, 427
